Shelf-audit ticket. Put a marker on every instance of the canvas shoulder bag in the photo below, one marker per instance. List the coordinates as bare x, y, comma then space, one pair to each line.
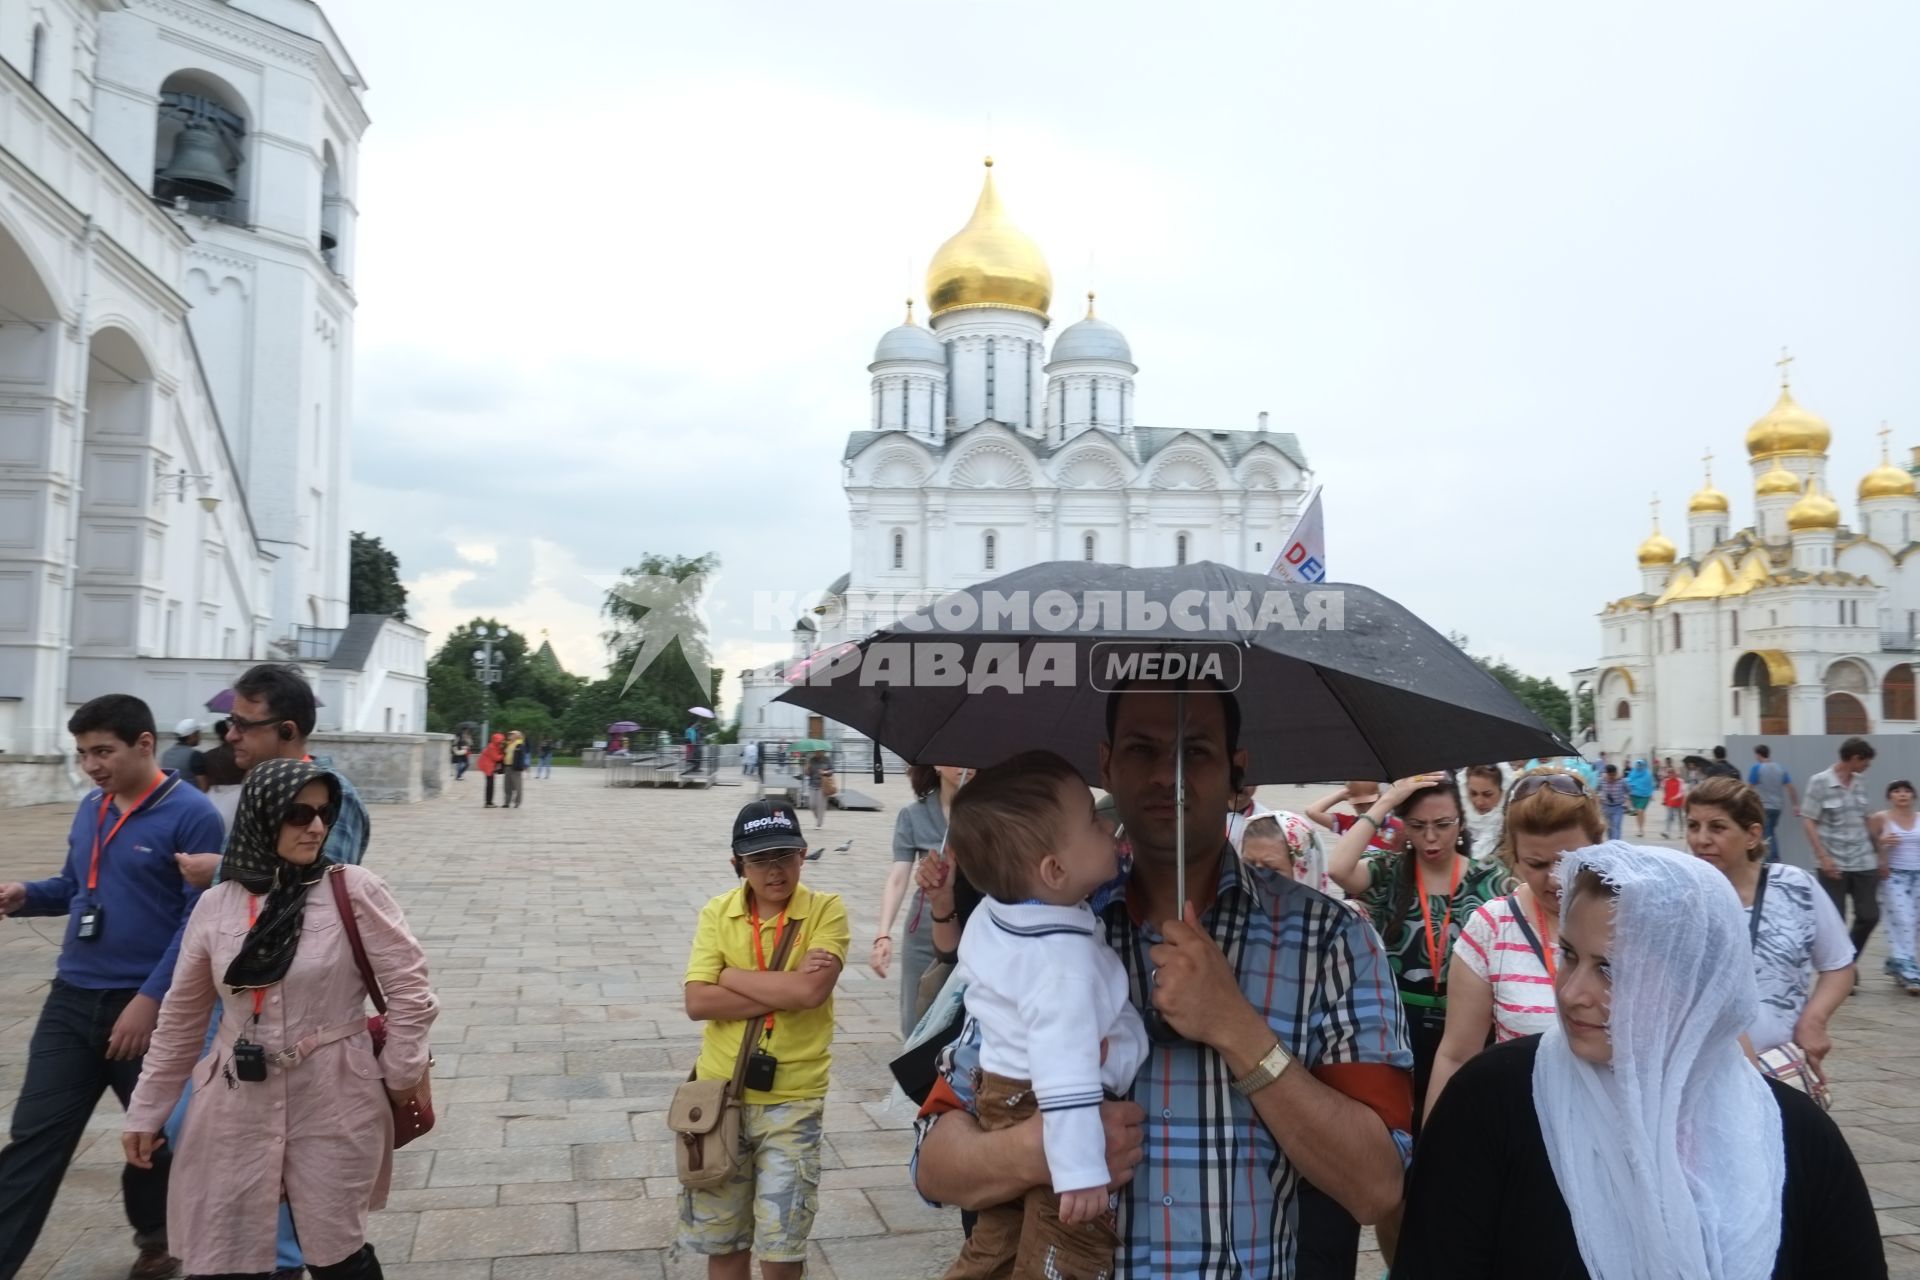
705, 1114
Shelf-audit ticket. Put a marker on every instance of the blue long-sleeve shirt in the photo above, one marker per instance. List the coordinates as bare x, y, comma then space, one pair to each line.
143, 900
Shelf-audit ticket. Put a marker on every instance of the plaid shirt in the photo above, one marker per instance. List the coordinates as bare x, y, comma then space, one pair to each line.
1216, 1196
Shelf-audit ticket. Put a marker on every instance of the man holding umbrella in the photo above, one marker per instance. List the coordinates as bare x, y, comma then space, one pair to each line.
1282, 1011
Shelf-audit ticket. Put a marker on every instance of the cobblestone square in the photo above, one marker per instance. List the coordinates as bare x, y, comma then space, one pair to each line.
557, 934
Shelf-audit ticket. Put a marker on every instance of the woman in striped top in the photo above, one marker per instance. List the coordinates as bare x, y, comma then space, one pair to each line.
1500, 980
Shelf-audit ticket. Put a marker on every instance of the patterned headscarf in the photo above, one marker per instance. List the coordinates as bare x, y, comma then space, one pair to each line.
253, 859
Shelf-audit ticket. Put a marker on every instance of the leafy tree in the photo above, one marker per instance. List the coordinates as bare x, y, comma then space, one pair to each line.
1545, 698
529, 717
640, 611
373, 579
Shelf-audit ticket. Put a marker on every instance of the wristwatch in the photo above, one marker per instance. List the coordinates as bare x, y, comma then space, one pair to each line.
1264, 1072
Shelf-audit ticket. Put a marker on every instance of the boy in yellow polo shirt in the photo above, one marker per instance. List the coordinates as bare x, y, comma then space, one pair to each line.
769, 1205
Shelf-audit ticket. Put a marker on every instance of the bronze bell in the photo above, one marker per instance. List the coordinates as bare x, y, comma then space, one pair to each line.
199, 166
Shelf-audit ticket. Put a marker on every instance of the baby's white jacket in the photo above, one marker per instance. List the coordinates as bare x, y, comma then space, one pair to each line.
1046, 989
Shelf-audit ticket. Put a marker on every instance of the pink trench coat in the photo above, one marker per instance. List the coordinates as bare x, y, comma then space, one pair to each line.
322, 1130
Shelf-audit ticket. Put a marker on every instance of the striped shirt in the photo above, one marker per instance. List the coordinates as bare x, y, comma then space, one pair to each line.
1216, 1197
1495, 948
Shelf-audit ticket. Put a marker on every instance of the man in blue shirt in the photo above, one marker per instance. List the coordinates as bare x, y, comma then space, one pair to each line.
126, 904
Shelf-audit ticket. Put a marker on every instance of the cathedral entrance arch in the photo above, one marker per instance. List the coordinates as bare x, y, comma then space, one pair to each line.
1846, 714
1847, 682
1896, 693
1768, 676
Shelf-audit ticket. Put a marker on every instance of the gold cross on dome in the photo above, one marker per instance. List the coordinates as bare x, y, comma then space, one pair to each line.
1781, 364
1885, 433
1655, 504
1707, 459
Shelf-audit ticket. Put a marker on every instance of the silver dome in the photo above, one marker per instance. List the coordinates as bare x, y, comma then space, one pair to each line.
1092, 339
909, 342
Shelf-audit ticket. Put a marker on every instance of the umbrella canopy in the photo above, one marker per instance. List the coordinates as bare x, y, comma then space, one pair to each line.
810, 745
623, 726
703, 712
221, 702
1333, 680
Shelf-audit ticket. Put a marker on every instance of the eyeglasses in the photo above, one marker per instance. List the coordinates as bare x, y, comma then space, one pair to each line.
245, 725
302, 815
1565, 783
1439, 826
773, 859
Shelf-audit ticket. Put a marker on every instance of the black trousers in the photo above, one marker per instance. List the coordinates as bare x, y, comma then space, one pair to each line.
363, 1265
67, 1071
1864, 888
490, 787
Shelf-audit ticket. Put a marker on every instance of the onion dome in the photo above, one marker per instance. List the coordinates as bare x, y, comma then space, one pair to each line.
989, 263
1776, 481
1815, 510
1788, 429
1657, 549
1886, 480
1092, 339
909, 341
1709, 500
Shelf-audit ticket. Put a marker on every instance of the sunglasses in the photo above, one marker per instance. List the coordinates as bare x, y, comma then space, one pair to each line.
302, 815
1565, 783
244, 725
773, 859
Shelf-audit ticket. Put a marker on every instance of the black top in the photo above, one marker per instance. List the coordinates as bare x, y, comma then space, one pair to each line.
1482, 1201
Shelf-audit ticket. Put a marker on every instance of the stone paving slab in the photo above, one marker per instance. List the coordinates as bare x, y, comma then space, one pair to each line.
557, 935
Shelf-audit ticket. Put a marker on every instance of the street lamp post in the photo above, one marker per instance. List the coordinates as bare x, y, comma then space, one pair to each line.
487, 667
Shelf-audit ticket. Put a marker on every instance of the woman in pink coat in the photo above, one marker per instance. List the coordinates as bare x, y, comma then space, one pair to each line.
267, 942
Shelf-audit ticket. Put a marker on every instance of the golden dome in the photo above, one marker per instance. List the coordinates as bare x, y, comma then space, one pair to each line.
1886, 480
1709, 499
1657, 549
1777, 480
989, 263
1788, 428
1815, 510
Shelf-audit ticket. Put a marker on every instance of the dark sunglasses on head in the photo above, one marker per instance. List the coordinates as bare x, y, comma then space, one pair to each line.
1565, 783
302, 815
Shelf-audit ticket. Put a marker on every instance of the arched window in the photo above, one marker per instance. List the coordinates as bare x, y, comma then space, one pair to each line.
37, 62
899, 549
1622, 711
1896, 693
199, 152
1676, 631
1086, 546
330, 202
1179, 548
989, 548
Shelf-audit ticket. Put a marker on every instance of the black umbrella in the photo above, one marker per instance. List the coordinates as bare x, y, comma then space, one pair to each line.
1334, 680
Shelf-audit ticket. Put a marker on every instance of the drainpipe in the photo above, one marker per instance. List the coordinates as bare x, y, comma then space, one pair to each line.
64, 667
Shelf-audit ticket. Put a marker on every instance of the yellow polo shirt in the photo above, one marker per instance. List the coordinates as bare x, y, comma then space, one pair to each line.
801, 1039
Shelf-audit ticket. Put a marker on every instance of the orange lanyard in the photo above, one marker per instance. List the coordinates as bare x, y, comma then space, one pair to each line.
93, 868
1546, 952
1446, 922
259, 993
759, 954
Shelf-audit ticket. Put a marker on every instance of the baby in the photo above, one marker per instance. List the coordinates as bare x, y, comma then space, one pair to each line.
1049, 996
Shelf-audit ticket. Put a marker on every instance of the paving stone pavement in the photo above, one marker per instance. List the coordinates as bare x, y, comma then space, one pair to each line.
557, 934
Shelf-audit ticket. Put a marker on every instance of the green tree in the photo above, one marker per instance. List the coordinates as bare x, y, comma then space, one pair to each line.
454, 694
373, 579
529, 717
1543, 697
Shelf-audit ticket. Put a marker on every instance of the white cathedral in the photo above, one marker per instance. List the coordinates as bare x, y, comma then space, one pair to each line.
985, 451
177, 245
1796, 624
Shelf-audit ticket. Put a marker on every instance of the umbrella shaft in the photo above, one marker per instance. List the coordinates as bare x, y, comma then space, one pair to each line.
1180, 802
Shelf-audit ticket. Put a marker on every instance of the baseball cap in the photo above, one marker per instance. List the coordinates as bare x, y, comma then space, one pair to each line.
186, 728
762, 825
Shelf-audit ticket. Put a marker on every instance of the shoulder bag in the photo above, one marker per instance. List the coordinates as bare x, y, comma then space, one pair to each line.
416, 1118
705, 1114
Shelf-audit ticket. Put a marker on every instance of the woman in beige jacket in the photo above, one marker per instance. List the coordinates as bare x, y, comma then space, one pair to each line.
267, 943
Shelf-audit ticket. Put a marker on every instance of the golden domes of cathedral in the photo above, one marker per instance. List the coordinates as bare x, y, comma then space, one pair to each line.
1788, 429
1709, 499
1815, 510
1658, 548
1886, 480
989, 263
1777, 480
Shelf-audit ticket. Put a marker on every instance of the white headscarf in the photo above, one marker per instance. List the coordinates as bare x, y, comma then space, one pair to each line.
1671, 1161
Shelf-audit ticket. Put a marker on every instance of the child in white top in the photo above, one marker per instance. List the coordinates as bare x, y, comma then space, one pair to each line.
1057, 1032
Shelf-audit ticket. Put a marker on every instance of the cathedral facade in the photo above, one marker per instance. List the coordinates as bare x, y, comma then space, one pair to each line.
1799, 622
988, 449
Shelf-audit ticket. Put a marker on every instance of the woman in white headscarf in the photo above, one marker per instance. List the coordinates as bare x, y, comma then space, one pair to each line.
1633, 1140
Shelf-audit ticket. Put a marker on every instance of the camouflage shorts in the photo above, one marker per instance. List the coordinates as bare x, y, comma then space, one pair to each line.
768, 1205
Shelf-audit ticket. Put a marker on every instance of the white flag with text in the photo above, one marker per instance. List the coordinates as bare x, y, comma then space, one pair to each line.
1303, 555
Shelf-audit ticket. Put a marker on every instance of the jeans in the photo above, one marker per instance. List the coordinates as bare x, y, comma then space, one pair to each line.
1674, 819
546, 767
1863, 887
1616, 814
1773, 835
67, 1071
286, 1255
459, 768
1900, 896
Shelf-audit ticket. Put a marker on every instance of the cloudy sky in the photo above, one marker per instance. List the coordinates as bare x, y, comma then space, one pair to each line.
1507, 269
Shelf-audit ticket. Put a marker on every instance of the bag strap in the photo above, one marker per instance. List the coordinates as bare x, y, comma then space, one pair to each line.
352, 926
1526, 930
751, 1036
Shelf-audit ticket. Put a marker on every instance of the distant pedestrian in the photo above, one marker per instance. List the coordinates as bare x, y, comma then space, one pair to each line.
1486, 793
1896, 830
1721, 767
462, 751
1613, 800
491, 762
818, 772
185, 757
1834, 815
1639, 795
546, 759
1775, 786
1673, 796
515, 761
693, 748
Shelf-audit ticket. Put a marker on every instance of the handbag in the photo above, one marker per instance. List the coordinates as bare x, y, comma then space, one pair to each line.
705, 1114
1789, 1065
416, 1118
828, 787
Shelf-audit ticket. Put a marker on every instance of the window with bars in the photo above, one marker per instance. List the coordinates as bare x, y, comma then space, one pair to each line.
1086, 547
899, 549
1179, 548
989, 548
